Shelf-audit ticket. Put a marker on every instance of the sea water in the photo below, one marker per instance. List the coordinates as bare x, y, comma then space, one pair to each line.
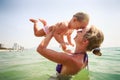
29, 65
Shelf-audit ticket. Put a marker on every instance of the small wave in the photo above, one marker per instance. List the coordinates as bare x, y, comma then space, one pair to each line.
117, 50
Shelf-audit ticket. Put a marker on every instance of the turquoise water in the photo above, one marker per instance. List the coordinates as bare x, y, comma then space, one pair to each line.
29, 65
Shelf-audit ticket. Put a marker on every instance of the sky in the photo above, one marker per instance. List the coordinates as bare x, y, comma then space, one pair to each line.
15, 26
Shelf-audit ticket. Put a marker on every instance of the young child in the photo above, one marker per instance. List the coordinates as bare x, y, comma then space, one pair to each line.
79, 21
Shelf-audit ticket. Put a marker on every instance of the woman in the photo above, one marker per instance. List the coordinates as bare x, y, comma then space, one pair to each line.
68, 65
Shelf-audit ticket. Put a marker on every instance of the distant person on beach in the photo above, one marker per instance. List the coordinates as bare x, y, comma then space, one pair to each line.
79, 21
70, 64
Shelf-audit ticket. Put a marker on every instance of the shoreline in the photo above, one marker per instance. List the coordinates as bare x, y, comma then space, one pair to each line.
4, 50
8, 50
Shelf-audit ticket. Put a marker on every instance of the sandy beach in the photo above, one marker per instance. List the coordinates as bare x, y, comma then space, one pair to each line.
4, 50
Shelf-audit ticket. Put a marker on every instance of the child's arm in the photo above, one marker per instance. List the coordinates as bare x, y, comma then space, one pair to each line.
69, 38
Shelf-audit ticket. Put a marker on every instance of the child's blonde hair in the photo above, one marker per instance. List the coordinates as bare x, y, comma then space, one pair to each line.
82, 17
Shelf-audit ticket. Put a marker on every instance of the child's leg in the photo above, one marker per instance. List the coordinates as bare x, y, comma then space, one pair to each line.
46, 28
38, 32
43, 22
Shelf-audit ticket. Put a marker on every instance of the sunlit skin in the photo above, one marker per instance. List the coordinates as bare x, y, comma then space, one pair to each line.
85, 40
71, 64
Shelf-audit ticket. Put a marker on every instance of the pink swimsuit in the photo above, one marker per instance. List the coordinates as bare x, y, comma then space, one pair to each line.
46, 29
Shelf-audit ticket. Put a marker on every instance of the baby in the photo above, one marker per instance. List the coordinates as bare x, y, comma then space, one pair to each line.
79, 21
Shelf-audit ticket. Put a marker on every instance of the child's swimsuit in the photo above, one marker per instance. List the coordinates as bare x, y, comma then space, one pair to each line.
46, 29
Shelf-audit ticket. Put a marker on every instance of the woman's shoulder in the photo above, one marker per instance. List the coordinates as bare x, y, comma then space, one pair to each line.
78, 58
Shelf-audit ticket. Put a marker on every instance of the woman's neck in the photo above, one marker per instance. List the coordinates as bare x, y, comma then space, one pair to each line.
80, 49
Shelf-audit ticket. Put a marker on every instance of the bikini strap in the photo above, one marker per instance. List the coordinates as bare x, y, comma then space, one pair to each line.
85, 58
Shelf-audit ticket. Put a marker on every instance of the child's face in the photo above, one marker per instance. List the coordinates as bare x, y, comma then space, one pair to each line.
83, 25
75, 24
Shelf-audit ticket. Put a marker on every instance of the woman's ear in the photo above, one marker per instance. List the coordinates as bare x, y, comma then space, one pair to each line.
74, 19
85, 41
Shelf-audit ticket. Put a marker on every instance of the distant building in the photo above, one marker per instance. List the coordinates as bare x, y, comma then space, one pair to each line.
0, 45
16, 46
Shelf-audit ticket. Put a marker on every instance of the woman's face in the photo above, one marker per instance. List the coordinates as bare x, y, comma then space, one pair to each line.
80, 35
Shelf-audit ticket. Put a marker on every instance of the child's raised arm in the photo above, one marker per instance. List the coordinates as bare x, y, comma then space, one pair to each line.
69, 38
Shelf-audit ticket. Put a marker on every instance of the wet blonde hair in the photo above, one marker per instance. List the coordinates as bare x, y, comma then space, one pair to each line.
82, 17
95, 38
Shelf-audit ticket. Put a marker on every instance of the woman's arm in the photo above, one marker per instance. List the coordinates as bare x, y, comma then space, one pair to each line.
44, 43
51, 54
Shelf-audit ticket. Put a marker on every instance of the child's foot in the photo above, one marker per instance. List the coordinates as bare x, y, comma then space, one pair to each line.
43, 22
33, 20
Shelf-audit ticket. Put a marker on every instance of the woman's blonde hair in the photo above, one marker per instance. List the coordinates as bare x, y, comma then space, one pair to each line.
95, 38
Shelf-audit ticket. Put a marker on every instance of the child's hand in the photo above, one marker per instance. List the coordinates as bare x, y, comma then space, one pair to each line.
65, 48
63, 45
